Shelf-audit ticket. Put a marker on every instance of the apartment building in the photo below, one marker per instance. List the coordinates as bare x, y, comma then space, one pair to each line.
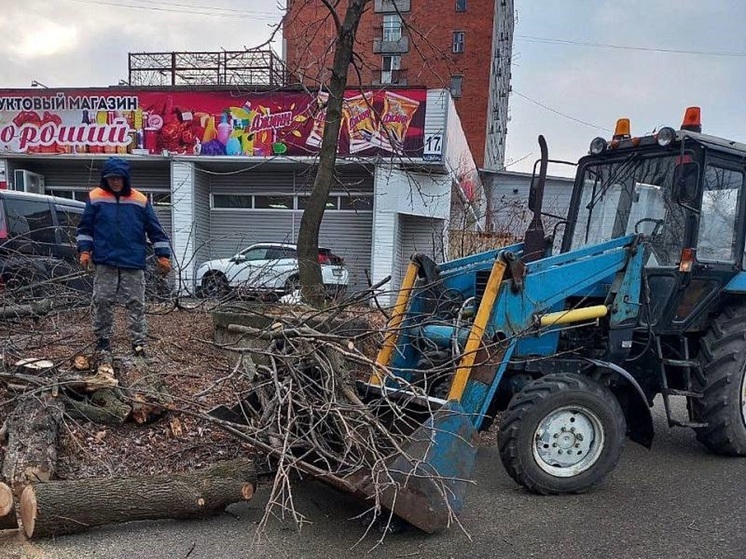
461, 45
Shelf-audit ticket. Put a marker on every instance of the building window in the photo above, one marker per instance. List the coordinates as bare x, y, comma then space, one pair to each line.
390, 67
273, 202
232, 201
392, 27
331, 202
356, 203
458, 41
456, 83
460, 5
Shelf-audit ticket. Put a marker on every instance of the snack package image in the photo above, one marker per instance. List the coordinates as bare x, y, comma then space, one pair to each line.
395, 117
362, 127
319, 119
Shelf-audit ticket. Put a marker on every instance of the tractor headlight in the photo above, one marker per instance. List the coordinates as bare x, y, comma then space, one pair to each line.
666, 135
598, 145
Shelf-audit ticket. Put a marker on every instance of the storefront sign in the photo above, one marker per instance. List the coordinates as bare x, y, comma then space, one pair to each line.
208, 123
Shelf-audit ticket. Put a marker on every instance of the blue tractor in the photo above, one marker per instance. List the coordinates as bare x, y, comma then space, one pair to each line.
646, 297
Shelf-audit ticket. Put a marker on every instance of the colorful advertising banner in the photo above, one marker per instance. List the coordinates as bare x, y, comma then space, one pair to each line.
207, 123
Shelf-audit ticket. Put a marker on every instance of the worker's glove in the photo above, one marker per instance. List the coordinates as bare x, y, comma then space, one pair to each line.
85, 261
163, 265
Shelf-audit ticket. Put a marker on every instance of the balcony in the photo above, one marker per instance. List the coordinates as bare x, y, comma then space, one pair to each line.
392, 5
380, 46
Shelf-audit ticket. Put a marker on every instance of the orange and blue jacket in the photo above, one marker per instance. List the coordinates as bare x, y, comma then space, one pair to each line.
114, 227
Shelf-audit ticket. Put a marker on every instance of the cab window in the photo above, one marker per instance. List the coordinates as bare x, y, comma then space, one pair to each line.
721, 194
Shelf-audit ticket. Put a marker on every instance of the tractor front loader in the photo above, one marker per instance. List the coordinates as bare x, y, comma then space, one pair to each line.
646, 298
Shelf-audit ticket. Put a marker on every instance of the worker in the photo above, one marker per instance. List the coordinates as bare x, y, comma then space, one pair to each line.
112, 236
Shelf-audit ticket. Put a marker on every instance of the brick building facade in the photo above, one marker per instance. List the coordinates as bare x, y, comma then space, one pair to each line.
463, 45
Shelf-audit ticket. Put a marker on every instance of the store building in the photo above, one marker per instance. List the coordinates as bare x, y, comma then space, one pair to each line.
226, 169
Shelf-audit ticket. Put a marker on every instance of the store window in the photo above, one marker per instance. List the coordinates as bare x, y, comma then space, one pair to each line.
356, 203
273, 202
232, 201
331, 202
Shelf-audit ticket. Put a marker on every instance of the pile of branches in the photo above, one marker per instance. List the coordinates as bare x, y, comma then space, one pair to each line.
311, 410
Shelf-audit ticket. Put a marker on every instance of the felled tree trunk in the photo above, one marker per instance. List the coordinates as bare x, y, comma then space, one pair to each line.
31, 453
7, 510
66, 507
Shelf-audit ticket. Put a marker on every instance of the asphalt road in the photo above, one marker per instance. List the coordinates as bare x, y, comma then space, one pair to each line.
676, 501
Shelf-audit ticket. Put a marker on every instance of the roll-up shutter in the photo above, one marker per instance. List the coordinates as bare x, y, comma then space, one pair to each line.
419, 234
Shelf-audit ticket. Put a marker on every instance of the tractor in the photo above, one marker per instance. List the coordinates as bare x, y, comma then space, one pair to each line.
646, 297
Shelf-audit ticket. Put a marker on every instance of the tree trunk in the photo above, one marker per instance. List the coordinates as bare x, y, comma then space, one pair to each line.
308, 234
7, 510
66, 507
31, 454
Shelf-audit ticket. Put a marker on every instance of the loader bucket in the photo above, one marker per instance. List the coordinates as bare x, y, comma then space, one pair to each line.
426, 482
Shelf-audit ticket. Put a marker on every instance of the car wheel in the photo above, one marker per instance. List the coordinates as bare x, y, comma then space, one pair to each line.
214, 285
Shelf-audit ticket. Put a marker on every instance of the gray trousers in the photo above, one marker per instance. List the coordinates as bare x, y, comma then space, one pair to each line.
110, 282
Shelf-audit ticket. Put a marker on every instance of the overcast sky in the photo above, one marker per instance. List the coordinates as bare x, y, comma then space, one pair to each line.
559, 78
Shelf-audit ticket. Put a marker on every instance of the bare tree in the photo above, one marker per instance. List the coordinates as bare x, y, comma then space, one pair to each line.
308, 235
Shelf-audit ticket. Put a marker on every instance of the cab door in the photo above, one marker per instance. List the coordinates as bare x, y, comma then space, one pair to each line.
719, 243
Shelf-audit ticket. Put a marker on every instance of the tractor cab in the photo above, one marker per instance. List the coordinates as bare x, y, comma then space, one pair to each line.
681, 190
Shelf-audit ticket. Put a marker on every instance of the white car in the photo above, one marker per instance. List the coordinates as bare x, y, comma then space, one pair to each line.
266, 267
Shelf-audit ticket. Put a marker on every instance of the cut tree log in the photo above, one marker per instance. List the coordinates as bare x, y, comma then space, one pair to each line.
65, 507
105, 408
8, 519
150, 396
34, 366
31, 452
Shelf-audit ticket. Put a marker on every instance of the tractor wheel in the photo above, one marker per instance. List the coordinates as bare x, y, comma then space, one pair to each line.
562, 433
723, 405
214, 285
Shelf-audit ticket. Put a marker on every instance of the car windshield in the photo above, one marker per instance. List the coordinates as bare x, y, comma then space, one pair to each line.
632, 195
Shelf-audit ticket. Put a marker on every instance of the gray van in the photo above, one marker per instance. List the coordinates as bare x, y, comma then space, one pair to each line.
38, 250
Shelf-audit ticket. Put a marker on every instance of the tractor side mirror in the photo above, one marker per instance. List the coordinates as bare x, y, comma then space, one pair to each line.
686, 182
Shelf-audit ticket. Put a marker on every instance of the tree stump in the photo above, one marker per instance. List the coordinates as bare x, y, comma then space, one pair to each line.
65, 507
31, 453
7, 510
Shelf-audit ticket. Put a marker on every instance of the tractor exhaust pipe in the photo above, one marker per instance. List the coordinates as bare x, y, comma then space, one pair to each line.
533, 241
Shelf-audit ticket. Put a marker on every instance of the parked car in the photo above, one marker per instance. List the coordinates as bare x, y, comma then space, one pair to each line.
267, 268
38, 249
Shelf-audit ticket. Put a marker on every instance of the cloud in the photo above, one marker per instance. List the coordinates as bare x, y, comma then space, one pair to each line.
599, 85
81, 43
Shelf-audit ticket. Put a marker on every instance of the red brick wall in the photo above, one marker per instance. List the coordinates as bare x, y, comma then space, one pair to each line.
309, 34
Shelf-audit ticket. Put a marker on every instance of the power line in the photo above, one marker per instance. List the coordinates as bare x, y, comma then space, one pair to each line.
211, 8
555, 111
551, 41
185, 9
